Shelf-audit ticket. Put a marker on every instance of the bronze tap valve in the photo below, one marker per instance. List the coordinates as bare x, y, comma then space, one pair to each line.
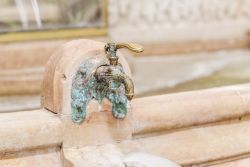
111, 48
113, 71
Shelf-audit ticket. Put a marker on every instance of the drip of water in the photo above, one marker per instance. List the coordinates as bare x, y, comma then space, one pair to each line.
129, 106
23, 13
117, 121
37, 14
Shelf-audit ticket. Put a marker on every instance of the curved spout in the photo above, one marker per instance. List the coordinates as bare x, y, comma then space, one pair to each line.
109, 73
129, 87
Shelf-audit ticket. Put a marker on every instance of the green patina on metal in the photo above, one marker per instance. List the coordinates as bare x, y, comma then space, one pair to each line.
98, 79
86, 87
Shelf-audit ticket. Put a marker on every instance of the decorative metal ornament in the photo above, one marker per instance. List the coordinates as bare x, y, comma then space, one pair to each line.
96, 79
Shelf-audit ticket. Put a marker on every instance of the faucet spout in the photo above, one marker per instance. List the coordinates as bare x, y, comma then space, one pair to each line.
129, 87
115, 74
114, 70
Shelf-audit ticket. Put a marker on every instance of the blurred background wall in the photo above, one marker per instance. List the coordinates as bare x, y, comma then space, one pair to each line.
189, 45
178, 20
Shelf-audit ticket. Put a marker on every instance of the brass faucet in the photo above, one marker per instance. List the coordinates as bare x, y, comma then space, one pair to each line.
102, 80
113, 72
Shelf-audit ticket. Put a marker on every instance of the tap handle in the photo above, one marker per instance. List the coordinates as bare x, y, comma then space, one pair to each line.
131, 46
111, 48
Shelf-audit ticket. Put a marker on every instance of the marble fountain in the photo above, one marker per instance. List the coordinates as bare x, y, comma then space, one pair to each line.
207, 127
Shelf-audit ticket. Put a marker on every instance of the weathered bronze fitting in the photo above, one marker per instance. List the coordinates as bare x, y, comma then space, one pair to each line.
115, 73
97, 79
110, 74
